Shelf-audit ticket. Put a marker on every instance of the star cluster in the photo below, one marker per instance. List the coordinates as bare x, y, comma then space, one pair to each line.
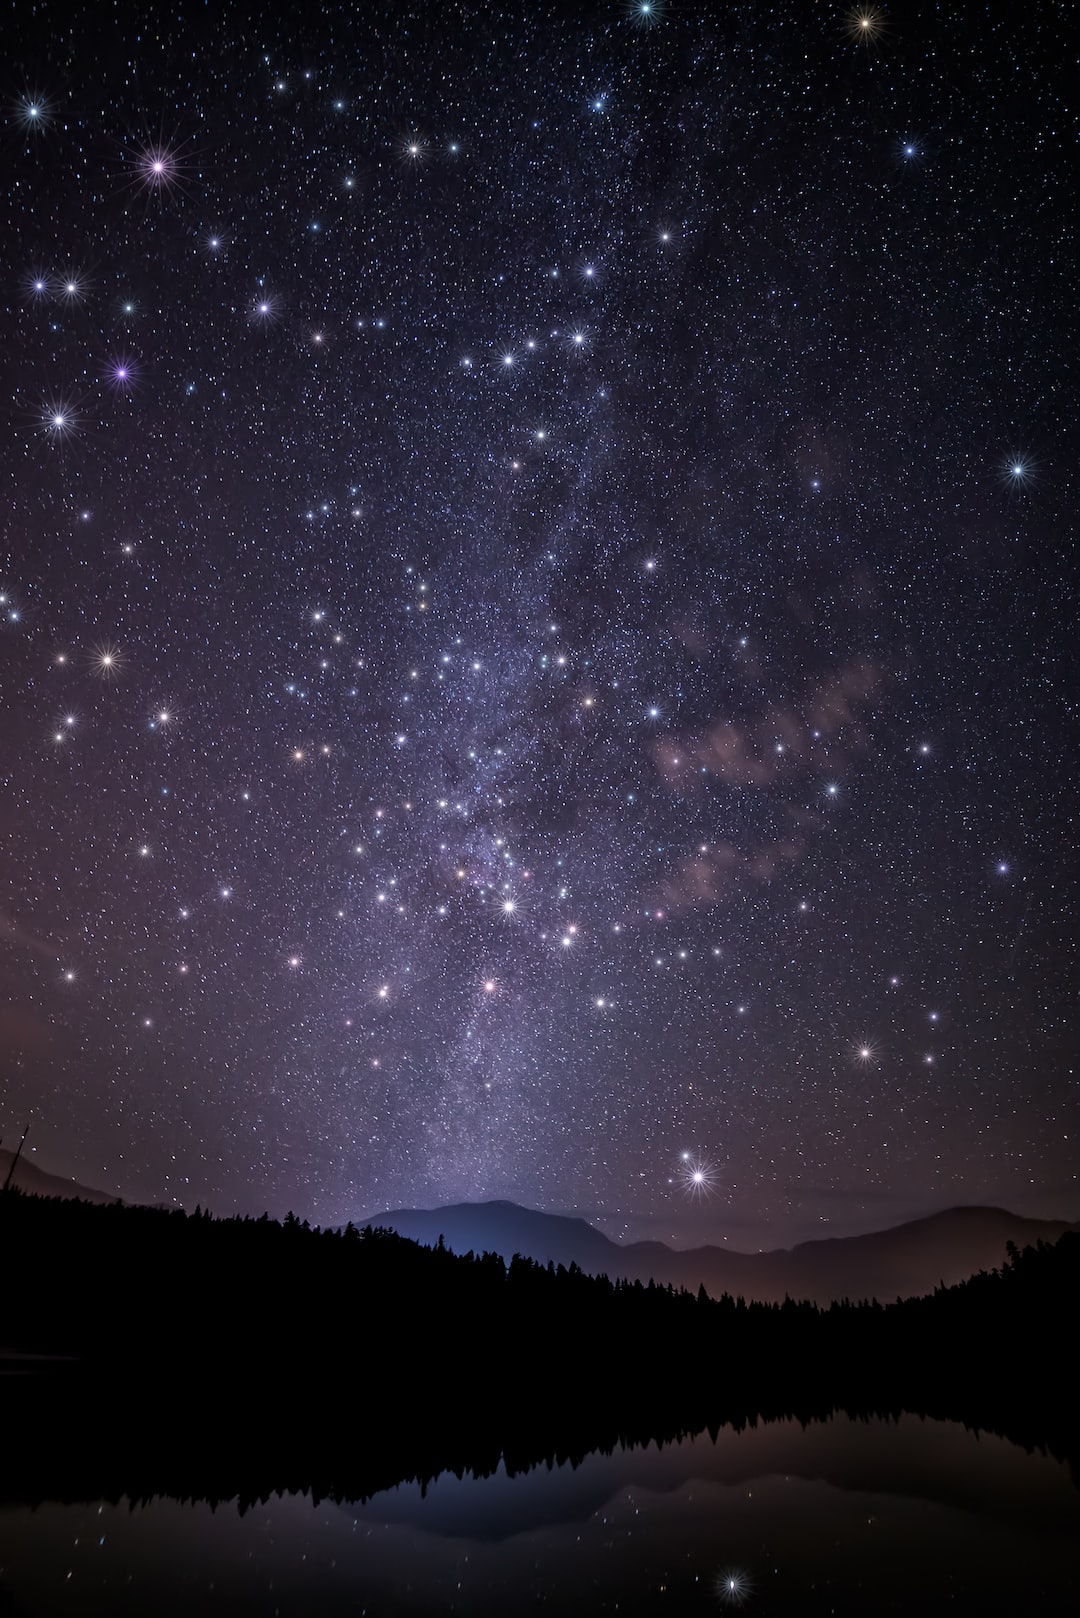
536, 637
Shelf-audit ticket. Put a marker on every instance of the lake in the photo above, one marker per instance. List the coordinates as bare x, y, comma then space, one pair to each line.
839, 1516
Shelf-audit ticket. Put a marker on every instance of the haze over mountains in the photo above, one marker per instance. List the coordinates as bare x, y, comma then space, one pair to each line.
37, 1182
905, 1261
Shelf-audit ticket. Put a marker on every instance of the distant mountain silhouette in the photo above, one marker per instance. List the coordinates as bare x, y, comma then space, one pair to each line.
28, 1177
905, 1261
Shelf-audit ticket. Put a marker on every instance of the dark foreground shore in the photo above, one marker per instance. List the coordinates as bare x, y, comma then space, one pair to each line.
153, 1353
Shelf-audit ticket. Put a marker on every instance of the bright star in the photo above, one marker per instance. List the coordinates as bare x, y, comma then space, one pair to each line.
121, 373
865, 25
107, 660
33, 112
697, 1176
157, 168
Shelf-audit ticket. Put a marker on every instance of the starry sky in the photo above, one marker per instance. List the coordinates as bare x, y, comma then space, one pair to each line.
537, 654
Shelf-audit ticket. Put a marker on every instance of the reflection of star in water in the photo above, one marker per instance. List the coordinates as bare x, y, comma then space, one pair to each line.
733, 1587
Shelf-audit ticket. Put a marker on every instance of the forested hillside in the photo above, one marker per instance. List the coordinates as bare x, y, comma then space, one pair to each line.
290, 1338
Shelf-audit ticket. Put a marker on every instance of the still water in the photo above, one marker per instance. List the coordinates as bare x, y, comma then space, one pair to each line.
838, 1517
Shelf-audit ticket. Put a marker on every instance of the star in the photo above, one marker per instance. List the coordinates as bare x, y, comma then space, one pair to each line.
479, 569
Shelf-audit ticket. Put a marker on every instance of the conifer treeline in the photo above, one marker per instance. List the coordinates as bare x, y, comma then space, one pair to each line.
308, 1343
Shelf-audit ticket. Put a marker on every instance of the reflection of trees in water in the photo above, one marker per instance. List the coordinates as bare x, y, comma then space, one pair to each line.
233, 1358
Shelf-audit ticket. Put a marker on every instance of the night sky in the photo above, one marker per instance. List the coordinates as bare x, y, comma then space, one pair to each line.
538, 654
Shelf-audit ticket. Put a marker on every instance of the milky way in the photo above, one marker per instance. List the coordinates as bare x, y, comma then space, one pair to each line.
539, 615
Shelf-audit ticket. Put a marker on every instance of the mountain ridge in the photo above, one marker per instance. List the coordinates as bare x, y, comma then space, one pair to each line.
905, 1260
39, 1182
